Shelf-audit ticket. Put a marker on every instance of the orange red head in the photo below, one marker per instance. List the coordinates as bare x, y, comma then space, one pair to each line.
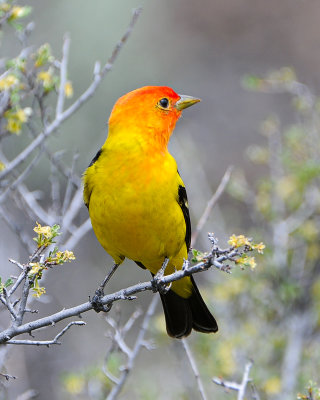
150, 110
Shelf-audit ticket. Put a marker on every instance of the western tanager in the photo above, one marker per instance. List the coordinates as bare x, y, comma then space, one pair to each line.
138, 203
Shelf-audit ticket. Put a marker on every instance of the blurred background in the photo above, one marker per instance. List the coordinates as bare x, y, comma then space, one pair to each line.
202, 49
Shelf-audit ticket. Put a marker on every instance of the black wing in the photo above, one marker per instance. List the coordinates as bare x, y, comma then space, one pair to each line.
86, 189
183, 203
95, 158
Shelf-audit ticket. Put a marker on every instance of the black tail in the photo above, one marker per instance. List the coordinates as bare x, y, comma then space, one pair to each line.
182, 315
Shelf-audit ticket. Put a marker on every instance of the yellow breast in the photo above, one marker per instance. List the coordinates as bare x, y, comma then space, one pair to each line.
134, 209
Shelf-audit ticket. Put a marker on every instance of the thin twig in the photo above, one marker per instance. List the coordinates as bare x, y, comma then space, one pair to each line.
6, 301
20, 178
245, 380
16, 263
33, 206
28, 395
226, 384
12, 165
7, 377
216, 259
78, 234
138, 344
73, 209
48, 342
23, 301
63, 75
110, 376
24, 239
194, 367
63, 169
238, 387
128, 325
211, 203
114, 344
68, 191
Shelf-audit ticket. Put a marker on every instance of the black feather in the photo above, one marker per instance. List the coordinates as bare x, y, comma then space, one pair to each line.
95, 158
202, 319
141, 265
184, 314
183, 203
177, 314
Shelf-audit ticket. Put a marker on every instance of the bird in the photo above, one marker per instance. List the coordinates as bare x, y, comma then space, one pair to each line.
138, 203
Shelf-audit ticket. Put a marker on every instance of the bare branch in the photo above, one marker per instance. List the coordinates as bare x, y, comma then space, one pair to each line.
215, 258
7, 377
18, 281
48, 342
211, 203
305, 211
138, 344
298, 329
16, 263
64, 170
20, 178
245, 380
33, 206
76, 105
25, 239
78, 234
68, 191
110, 376
194, 367
227, 384
238, 387
119, 338
63, 75
28, 395
126, 328
6, 301
73, 209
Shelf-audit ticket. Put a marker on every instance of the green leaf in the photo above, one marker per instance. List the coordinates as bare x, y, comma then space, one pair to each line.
251, 82
197, 255
9, 282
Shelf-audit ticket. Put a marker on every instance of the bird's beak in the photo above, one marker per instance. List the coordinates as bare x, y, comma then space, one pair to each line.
185, 102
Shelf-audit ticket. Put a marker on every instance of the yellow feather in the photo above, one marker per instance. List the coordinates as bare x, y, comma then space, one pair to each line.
134, 211
137, 201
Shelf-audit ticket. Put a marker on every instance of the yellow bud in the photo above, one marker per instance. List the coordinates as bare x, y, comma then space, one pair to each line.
68, 255
17, 12
259, 247
74, 384
46, 78
286, 187
44, 230
272, 385
36, 267
8, 81
13, 126
68, 89
238, 241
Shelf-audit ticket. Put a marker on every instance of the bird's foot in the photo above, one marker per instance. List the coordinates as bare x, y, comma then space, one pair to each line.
96, 300
157, 284
97, 303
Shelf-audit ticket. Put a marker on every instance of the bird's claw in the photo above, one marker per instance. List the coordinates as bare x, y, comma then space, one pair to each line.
158, 285
97, 303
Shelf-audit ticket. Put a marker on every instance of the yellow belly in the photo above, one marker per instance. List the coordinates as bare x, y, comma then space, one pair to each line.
139, 217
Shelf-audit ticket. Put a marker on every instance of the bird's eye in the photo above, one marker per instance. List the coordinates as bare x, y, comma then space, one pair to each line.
164, 103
